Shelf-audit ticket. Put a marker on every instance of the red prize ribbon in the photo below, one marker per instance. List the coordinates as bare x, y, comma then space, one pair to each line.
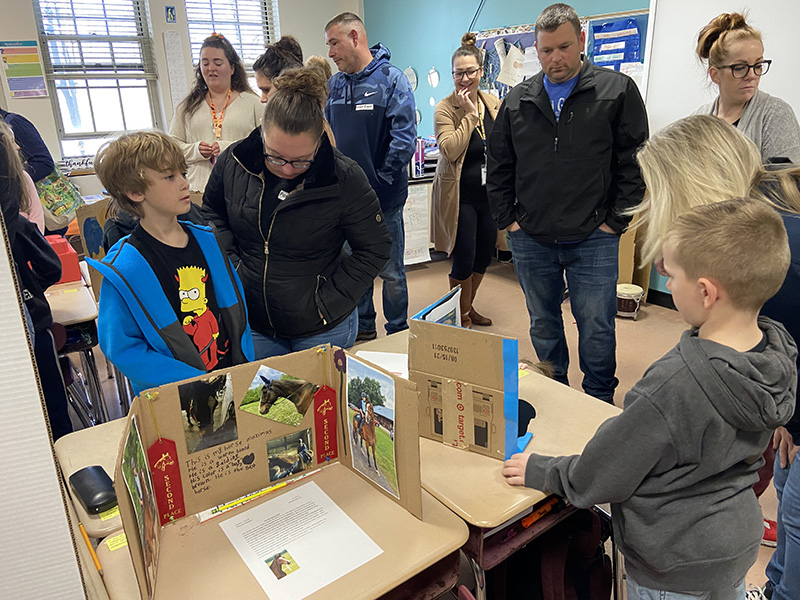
166, 475
325, 424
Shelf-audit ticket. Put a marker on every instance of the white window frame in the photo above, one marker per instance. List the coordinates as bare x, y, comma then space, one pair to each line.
85, 72
227, 17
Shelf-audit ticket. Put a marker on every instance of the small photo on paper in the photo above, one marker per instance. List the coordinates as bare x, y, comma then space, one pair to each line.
290, 455
282, 564
278, 396
370, 404
209, 412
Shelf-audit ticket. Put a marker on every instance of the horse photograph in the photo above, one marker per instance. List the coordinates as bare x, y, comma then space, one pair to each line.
290, 455
209, 412
278, 396
370, 405
281, 564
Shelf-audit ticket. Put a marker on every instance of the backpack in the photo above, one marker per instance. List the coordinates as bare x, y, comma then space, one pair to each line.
567, 562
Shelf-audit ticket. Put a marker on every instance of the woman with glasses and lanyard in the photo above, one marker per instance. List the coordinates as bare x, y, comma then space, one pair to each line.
463, 224
735, 56
284, 202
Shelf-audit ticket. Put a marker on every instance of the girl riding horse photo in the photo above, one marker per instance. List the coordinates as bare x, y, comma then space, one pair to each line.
290, 455
370, 404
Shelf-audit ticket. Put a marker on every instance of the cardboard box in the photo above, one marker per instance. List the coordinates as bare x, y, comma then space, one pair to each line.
233, 451
468, 384
91, 219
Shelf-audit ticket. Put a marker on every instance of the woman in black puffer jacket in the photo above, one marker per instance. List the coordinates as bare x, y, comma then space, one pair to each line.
284, 203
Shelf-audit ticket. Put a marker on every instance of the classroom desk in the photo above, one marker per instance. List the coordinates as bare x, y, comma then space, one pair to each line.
473, 486
73, 306
96, 445
409, 545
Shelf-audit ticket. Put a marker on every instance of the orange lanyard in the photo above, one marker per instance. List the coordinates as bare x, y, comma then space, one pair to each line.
217, 119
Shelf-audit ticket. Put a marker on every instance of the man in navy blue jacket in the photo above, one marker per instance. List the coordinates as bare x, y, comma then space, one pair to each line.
372, 113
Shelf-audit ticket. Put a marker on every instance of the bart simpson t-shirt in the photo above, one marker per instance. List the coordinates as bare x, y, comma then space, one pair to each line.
187, 283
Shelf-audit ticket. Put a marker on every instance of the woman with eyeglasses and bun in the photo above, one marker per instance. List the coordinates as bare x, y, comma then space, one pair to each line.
284, 202
734, 53
463, 224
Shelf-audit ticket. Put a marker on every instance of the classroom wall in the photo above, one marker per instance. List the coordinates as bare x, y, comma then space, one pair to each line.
424, 34
305, 19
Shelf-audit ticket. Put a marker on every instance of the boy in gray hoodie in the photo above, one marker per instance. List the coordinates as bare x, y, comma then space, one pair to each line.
679, 462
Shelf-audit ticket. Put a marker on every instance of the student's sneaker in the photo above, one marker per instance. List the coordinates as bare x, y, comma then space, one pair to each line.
754, 593
770, 534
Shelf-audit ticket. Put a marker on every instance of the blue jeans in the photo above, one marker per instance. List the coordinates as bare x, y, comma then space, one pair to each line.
592, 268
395, 288
343, 335
783, 570
638, 592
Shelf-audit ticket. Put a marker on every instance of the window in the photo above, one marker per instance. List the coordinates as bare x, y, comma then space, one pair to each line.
247, 24
100, 69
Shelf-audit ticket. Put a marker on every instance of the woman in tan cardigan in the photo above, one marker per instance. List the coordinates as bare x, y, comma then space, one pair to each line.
463, 225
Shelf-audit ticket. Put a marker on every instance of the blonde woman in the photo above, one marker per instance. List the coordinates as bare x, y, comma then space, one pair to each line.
702, 160
734, 53
463, 224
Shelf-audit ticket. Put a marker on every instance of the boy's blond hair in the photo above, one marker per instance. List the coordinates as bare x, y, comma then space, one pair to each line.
741, 243
121, 163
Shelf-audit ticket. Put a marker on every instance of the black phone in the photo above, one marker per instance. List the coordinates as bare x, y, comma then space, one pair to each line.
94, 489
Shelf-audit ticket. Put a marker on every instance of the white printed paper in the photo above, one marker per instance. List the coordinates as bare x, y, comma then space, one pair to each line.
511, 71
394, 362
500, 47
531, 65
178, 88
288, 543
417, 225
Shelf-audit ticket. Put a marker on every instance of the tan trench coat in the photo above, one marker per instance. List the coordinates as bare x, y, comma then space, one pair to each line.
453, 128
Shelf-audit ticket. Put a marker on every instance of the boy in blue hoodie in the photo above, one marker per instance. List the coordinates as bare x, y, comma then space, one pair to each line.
679, 462
171, 305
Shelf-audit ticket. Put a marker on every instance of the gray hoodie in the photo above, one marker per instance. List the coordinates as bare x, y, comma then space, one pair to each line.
679, 462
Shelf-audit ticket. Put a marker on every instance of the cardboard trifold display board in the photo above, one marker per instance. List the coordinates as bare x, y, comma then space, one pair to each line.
468, 382
194, 448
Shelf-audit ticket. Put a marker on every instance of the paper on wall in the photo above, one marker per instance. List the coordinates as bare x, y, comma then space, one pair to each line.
500, 47
511, 69
634, 70
531, 65
282, 542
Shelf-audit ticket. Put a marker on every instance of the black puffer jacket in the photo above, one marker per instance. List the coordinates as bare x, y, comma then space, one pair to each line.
562, 180
297, 278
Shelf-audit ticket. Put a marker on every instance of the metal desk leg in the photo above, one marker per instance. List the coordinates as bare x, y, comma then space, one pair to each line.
78, 395
480, 579
616, 557
124, 391
93, 380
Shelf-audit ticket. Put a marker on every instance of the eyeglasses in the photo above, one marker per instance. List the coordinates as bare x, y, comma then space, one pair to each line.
296, 164
740, 71
470, 73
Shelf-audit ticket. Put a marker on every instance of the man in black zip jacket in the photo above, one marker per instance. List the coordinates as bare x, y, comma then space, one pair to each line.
561, 173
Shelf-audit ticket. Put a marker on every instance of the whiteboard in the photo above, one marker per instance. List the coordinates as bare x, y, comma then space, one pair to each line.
678, 83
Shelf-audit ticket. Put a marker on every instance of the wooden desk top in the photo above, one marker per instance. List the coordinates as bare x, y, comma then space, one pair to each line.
71, 303
96, 445
472, 485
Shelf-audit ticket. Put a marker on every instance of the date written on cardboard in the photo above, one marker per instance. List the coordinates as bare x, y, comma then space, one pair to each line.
445, 353
222, 461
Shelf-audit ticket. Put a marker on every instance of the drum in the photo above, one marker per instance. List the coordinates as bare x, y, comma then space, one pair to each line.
629, 297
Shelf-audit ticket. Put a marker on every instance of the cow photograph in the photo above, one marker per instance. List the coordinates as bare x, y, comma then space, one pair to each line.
278, 396
290, 454
370, 407
208, 412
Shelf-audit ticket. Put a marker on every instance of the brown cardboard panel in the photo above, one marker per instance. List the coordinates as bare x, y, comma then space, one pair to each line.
627, 249
196, 197
91, 218
240, 463
459, 373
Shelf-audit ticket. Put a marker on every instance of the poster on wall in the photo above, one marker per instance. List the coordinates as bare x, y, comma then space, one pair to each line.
23, 68
417, 226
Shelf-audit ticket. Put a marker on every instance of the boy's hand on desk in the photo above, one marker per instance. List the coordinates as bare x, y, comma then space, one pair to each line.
514, 469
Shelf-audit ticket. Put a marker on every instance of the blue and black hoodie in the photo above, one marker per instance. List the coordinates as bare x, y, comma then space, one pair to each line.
373, 116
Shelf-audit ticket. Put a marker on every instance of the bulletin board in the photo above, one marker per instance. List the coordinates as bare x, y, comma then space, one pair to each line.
614, 40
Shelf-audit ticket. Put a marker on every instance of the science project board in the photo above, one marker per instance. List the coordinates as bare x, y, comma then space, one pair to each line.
194, 451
